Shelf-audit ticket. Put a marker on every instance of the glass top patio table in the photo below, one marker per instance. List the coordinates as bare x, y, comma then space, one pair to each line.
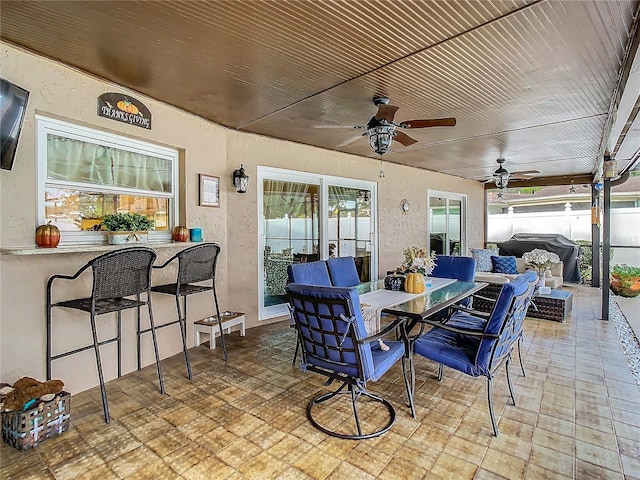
433, 301
442, 292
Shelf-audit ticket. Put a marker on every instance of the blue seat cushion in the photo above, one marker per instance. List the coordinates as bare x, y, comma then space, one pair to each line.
506, 264
451, 349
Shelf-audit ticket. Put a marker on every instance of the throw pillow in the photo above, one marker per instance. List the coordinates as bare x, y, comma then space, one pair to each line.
483, 258
504, 265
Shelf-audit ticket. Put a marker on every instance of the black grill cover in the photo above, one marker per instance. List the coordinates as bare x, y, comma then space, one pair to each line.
566, 249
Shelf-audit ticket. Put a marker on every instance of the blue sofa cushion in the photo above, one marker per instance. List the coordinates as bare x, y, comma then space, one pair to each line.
505, 264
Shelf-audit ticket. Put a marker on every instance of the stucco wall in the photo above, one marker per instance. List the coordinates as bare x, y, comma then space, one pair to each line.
62, 92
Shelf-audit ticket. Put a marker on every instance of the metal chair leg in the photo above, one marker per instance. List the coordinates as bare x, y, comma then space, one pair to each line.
440, 372
119, 342
506, 366
215, 301
295, 355
408, 387
490, 400
182, 321
155, 344
49, 334
524, 374
103, 390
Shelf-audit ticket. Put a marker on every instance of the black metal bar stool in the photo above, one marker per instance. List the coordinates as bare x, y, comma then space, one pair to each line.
116, 275
195, 264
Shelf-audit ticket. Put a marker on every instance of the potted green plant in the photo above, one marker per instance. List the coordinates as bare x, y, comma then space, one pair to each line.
625, 280
127, 227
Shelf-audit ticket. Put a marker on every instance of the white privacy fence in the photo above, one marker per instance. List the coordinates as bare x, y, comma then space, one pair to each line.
297, 234
575, 225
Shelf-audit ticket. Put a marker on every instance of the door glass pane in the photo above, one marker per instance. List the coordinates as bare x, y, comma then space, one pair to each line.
438, 225
291, 232
351, 226
455, 226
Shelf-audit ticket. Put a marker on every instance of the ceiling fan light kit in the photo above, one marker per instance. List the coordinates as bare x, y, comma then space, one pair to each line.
381, 137
382, 130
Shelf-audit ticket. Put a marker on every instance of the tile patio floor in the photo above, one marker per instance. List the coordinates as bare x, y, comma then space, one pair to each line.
578, 416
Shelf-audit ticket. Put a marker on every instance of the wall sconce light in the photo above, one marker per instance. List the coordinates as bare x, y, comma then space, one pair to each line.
240, 180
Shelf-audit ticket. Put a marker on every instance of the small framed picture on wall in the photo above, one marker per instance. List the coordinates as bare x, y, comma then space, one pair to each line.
209, 191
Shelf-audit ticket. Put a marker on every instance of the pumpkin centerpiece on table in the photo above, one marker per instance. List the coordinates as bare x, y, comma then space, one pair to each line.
47, 236
180, 234
414, 283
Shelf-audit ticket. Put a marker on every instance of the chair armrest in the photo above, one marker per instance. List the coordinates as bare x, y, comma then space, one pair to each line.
388, 329
67, 277
482, 297
557, 269
63, 277
471, 311
167, 262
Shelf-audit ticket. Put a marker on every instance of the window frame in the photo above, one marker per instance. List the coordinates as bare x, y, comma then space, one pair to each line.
47, 125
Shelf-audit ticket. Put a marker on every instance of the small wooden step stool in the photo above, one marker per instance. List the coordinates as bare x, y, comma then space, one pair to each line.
209, 326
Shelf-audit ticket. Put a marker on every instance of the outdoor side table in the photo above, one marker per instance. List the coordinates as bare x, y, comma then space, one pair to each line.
209, 325
556, 305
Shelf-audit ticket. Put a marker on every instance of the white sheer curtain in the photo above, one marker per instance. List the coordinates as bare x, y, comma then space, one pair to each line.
78, 161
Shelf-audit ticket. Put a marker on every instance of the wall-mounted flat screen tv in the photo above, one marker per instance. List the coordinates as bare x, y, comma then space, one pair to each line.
13, 103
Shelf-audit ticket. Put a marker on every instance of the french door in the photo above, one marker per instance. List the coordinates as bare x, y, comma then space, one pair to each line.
447, 222
306, 217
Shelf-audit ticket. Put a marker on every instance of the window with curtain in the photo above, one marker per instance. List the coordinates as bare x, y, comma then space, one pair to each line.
85, 174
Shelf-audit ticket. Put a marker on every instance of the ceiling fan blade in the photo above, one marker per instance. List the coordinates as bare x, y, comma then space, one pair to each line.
404, 139
349, 141
340, 126
434, 122
386, 112
526, 172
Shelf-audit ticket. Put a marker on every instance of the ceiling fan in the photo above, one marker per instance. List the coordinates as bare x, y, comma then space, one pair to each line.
502, 176
382, 129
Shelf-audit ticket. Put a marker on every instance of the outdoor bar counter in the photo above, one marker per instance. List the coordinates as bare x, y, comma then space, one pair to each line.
25, 272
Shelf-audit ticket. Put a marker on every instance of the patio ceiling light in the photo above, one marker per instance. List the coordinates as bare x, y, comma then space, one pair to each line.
381, 137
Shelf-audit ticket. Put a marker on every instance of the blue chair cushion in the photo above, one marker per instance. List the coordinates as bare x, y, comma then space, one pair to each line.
483, 258
506, 264
310, 273
319, 329
343, 272
451, 266
451, 349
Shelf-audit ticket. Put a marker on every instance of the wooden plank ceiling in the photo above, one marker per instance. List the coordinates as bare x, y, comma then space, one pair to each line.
530, 81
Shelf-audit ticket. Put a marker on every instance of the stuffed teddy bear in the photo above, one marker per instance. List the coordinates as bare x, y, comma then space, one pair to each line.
26, 389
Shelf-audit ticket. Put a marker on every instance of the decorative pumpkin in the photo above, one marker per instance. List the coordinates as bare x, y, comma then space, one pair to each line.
47, 236
414, 283
180, 234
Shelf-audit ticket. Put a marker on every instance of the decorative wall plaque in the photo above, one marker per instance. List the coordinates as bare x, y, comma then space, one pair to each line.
123, 108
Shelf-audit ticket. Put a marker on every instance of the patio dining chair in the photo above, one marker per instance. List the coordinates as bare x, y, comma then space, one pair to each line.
474, 351
196, 268
343, 272
334, 344
455, 267
117, 276
477, 319
309, 273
